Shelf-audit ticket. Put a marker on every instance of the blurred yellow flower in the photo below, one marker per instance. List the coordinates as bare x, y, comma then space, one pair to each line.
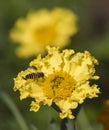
41, 28
62, 78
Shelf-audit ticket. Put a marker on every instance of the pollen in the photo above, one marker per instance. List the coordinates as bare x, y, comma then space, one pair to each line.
59, 85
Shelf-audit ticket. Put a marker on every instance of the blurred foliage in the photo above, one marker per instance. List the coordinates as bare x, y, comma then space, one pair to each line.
92, 36
104, 116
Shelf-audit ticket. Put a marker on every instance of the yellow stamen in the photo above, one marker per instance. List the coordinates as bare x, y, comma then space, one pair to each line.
59, 85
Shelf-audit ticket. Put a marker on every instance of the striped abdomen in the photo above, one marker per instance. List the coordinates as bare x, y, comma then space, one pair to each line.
34, 75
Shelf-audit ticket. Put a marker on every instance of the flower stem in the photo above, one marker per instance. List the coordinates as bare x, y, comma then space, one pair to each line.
63, 124
9, 102
68, 124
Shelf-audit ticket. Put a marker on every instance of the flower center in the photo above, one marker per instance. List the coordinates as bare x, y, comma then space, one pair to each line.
45, 34
59, 85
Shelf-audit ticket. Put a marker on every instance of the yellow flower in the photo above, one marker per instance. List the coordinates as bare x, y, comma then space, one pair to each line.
43, 27
62, 78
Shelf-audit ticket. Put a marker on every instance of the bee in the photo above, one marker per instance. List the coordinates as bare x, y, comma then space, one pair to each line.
35, 75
